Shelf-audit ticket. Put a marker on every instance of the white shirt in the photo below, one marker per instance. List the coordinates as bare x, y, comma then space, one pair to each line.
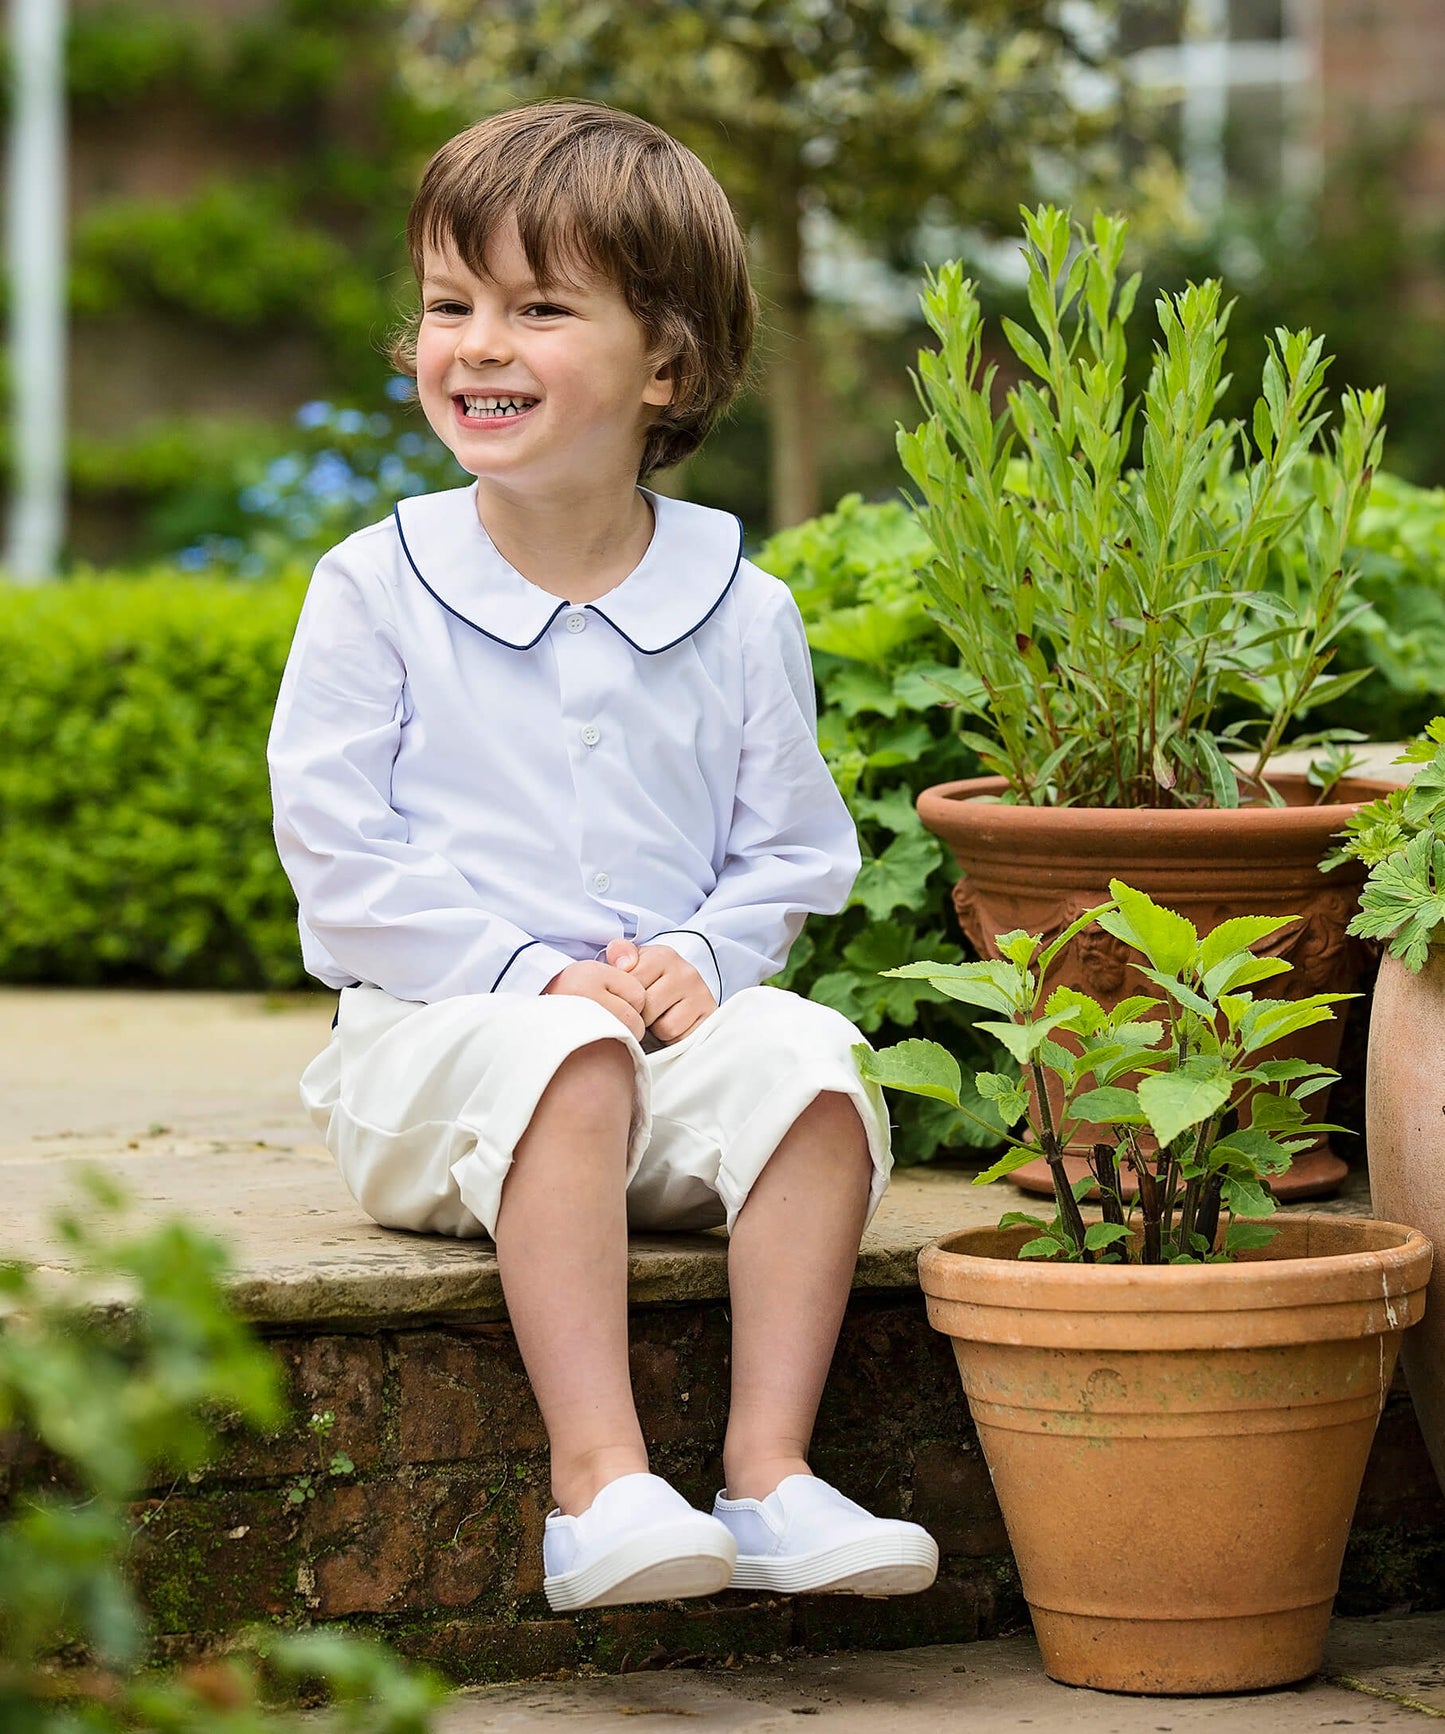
476, 783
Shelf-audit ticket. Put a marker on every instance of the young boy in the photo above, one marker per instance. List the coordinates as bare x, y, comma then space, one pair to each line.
547, 788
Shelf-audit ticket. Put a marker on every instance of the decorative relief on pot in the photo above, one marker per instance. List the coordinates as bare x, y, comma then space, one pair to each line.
1324, 958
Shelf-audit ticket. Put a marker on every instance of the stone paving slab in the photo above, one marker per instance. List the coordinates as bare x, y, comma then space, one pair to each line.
997, 1687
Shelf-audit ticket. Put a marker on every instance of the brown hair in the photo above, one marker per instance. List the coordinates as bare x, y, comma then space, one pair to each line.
596, 186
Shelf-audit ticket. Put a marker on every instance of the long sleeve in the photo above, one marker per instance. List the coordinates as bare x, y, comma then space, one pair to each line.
375, 907
792, 847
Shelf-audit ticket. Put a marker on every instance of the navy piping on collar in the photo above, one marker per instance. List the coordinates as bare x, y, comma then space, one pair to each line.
717, 971
590, 607
517, 953
507, 642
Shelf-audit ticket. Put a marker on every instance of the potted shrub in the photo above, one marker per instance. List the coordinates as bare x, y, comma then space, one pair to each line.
1401, 840
1160, 1391
1113, 618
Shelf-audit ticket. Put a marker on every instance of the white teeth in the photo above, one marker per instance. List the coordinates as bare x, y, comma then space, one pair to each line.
478, 406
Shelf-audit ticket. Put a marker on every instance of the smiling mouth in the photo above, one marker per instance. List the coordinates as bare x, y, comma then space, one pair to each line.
494, 408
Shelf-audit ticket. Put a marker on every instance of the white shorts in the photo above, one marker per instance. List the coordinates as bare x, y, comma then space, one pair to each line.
423, 1105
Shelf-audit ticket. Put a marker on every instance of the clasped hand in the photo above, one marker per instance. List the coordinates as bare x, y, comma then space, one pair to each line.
650, 989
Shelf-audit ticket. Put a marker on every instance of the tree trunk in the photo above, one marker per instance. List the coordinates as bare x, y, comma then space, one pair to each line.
791, 364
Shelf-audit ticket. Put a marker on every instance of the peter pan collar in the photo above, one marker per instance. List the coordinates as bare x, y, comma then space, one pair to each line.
687, 570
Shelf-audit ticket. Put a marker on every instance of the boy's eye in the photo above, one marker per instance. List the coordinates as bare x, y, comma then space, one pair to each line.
545, 310
448, 309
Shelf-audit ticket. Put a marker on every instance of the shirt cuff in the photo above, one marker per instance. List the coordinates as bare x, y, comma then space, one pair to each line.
530, 968
694, 948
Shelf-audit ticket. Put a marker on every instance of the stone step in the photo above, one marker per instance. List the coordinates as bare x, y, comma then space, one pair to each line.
433, 1537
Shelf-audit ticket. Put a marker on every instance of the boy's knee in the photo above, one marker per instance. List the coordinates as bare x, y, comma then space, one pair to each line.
597, 1081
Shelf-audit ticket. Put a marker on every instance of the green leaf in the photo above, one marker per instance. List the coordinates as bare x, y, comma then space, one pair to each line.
1175, 1101
919, 1067
898, 878
1168, 940
855, 687
1101, 1234
1242, 969
1023, 1040
994, 986
1045, 1246
1238, 934
1248, 1236
1012, 1159
1246, 1198
1108, 1106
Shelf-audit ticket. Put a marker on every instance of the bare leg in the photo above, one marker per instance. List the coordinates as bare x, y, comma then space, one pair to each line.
562, 1253
790, 1265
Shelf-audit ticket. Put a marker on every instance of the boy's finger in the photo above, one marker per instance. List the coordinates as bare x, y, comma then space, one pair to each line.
681, 1020
630, 1017
628, 989
622, 954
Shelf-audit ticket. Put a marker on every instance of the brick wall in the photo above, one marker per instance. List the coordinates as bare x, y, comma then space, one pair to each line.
1381, 70
434, 1536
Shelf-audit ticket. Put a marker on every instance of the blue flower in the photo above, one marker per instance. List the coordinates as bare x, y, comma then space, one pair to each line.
194, 559
350, 421
400, 388
329, 476
284, 472
314, 414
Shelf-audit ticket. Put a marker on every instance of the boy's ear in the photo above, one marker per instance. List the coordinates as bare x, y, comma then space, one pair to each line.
660, 388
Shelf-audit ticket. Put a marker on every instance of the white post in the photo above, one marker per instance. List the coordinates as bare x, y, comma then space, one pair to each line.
1206, 103
36, 248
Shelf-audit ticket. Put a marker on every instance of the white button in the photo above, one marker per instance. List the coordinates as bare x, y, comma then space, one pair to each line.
591, 734
600, 882
576, 622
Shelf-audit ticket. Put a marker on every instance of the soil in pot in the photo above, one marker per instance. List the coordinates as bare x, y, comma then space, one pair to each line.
1178, 1450
1039, 867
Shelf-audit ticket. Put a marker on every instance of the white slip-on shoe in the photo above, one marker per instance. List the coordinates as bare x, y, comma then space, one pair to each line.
806, 1536
638, 1541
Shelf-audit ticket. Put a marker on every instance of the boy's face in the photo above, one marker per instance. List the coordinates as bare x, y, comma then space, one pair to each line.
536, 391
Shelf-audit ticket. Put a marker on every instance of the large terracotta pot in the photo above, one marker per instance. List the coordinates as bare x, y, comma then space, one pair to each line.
1177, 1450
1039, 867
1405, 1131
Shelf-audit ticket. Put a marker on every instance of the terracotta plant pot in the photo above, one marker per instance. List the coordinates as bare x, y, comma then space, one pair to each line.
1178, 1449
1405, 1131
1039, 867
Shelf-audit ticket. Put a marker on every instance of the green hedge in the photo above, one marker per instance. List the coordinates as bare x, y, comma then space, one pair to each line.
135, 817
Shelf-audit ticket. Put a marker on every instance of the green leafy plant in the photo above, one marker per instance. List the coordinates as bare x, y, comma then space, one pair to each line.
1399, 547
1171, 1078
1401, 839
1103, 612
853, 575
111, 1380
328, 1463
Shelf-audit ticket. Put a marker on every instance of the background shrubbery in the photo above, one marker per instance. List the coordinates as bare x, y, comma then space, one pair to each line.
135, 818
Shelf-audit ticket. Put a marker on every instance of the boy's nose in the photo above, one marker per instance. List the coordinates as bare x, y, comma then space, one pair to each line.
483, 340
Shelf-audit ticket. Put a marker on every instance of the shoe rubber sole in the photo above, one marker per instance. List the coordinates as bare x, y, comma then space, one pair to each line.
885, 1565
657, 1565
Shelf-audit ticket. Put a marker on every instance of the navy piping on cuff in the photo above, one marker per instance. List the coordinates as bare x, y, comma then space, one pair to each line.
512, 959
716, 968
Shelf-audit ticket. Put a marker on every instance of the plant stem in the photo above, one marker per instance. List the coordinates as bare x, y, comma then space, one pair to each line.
1148, 1203
1070, 1215
1207, 1221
